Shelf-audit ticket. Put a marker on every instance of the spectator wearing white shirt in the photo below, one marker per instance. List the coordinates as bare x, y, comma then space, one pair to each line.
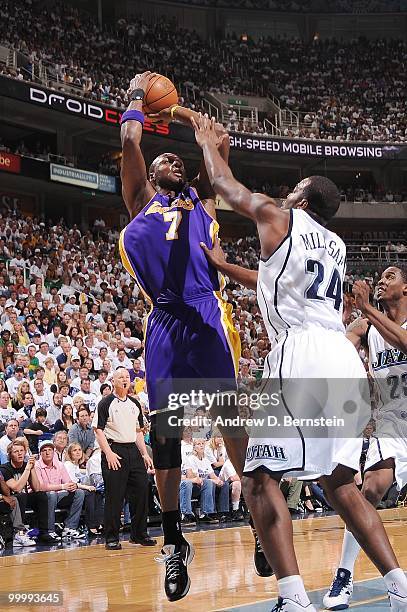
53, 338
39, 375
71, 306
14, 381
75, 385
199, 472
121, 360
42, 397
54, 412
89, 398
129, 314
11, 316
98, 361
18, 261
96, 384
94, 317
92, 345
231, 479
10, 434
215, 451
108, 306
6, 412
187, 447
131, 343
64, 391
73, 370
44, 353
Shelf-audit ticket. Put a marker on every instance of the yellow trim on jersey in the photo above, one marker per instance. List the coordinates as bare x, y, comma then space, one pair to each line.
231, 333
213, 232
127, 264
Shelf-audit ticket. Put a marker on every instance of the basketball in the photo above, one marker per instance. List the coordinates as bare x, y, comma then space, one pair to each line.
161, 93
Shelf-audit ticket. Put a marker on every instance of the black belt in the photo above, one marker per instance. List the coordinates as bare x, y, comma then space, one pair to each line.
121, 443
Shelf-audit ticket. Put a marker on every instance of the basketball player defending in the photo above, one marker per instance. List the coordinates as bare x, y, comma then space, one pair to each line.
189, 331
387, 454
299, 290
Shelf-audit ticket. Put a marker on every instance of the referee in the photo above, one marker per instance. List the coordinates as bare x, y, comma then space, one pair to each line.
118, 422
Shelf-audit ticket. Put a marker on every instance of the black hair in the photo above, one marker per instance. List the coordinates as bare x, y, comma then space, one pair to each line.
323, 197
83, 408
403, 272
105, 386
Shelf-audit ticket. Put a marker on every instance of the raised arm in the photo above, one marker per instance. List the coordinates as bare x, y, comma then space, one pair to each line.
201, 182
272, 222
136, 189
216, 256
392, 332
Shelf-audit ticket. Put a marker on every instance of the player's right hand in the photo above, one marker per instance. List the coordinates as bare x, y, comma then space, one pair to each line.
141, 81
205, 130
361, 291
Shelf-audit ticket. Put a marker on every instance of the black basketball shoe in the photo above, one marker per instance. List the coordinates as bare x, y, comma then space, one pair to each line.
176, 559
261, 565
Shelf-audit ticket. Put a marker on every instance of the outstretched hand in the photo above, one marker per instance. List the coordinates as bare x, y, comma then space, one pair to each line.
361, 291
215, 256
205, 130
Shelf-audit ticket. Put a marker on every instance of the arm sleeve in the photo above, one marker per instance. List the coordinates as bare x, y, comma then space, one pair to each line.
103, 411
140, 414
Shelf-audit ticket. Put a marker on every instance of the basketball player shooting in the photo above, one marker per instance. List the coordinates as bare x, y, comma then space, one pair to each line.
299, 289
189, 332
386, 335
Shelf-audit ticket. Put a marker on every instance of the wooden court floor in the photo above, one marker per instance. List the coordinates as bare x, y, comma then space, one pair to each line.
223, 578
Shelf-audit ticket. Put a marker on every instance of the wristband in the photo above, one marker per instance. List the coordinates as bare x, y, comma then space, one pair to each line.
132, 115
173, 109
137, 94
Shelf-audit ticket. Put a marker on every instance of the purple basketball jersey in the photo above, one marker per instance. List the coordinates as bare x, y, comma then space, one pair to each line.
160, 249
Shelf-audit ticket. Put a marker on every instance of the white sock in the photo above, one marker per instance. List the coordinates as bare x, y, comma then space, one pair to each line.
396, 582
235, 505
350, 551
292, 587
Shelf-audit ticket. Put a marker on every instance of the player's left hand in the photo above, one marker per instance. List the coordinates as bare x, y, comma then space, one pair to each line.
205, 130
361, 291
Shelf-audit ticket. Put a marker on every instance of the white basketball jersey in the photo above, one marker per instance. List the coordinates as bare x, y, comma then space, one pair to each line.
388, 367
300, 284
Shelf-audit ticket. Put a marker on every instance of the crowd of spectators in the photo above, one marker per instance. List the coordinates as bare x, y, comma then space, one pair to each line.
348, 91
349, 193
69, 316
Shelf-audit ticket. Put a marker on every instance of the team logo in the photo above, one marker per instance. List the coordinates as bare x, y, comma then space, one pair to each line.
266, 451
389, 357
